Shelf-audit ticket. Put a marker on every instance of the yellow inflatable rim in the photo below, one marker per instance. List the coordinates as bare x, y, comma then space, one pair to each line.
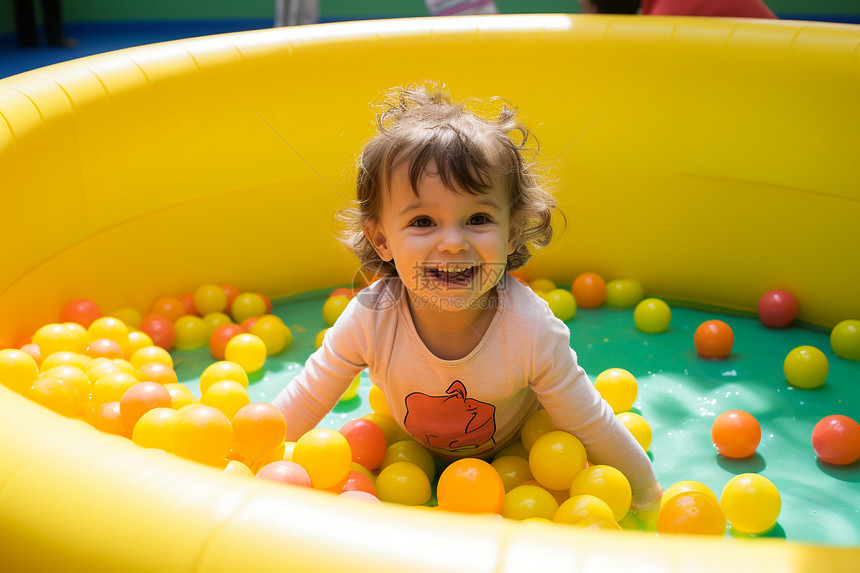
709, 159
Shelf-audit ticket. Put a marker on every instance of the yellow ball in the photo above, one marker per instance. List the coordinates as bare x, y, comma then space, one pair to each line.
652, 316
515, 448
320, 336
152, 430
215, 319
111, 387
228, 396
110, 328
54, 337
246, 350
273, 332
136, 341
149, 354
191, 333
527, 502
333, 308
412, 452
352, 391
237, 468
210, 298
325, 455
561, 303
222, 370
845, 339
76, 377
202, 434
513, 470
580, 507
598, 523
542, 285
806, 367
606, 483
638, 426
751, 503
180, 394
128, 316
618, 387
247, 305
556, 458
377, 402
403, 483
534, 427
18, 370
64, 359
624, 292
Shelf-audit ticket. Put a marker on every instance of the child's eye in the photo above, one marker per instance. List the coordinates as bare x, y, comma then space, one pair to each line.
479, 219
421, 222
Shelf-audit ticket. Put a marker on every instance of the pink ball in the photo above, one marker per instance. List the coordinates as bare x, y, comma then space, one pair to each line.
777, 308
285, 472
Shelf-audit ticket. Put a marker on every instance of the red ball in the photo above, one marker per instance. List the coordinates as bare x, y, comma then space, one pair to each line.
836, 440
187, 301
160, 330
366, 441
777, 308
221, 336
736, 434
714, 339
356, 481
82, 311
231, 292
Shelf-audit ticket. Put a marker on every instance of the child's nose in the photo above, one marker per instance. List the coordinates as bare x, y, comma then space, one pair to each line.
453, 241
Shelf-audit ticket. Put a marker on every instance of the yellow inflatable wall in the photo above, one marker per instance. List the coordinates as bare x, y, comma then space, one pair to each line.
710, 159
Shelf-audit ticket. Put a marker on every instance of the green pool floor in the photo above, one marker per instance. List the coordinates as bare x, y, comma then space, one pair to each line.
680, 394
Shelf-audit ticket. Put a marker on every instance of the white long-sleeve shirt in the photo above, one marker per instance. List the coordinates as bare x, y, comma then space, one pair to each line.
472, 406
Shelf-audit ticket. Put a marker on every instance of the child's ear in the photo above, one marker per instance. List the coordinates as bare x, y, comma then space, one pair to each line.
513, 237
376, 236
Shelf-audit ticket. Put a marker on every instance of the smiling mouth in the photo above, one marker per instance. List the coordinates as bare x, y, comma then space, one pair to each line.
452, 277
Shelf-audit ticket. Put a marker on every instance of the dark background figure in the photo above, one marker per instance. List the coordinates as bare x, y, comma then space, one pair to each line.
25, 22
724, 8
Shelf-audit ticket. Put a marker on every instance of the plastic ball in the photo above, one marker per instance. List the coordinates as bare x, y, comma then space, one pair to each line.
257, 428
105, 348
152, 430
325, 455
580, 507
355, 481
275, 454
201, 434
836, 440
82, 311
412, 452
387, 424
18, 370
342, 291
352, 390
845, 339
527, 502
64, 359
53, 338
542, 285
777, 308
556, 458
806, 367
618, 387
470, 485
215, 319
246, 350
238, 469
273, 332
157, 372
683, 487
513, 470
714, 339
140, 399
231, 292
535, 426
168, 307
221, 336
589, 289
318, 342
149, 354
638, 426
333, 308
366, 442
136, 340
624, 292
598, 523
652, 316
606, 483
691, 512
228, 396
55, 394
129, 316
187, 300
403, 483
515, 448
76, 377
191, 332
180, 395
210, 298
751, 503
247, 305
111, 387
376, 400
562, 304
735, 434
107, 418
360, 496
160, 329
285, 472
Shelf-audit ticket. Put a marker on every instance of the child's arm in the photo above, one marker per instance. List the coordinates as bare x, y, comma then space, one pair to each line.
327, 374
574, 406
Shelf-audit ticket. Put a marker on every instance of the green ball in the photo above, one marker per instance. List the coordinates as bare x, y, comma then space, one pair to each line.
652, 315
805, 367
845, 339
561, 303
624, 292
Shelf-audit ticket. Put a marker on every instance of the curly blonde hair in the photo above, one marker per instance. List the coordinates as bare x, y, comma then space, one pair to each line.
421, 124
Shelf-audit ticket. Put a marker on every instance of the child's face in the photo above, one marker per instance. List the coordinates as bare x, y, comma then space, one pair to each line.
450, 248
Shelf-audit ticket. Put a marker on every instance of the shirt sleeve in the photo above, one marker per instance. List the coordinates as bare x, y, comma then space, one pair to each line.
573, 405
326, 376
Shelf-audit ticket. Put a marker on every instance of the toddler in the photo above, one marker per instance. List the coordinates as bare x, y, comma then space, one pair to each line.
463, 352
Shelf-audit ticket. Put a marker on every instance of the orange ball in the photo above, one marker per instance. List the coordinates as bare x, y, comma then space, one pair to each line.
160, 329
257, 428
736, 434
82, 311
107, 418
169, 307
714, 339
202, 434
157, 372
692, 512
104, 348
140, 399
589, 290
470, 485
